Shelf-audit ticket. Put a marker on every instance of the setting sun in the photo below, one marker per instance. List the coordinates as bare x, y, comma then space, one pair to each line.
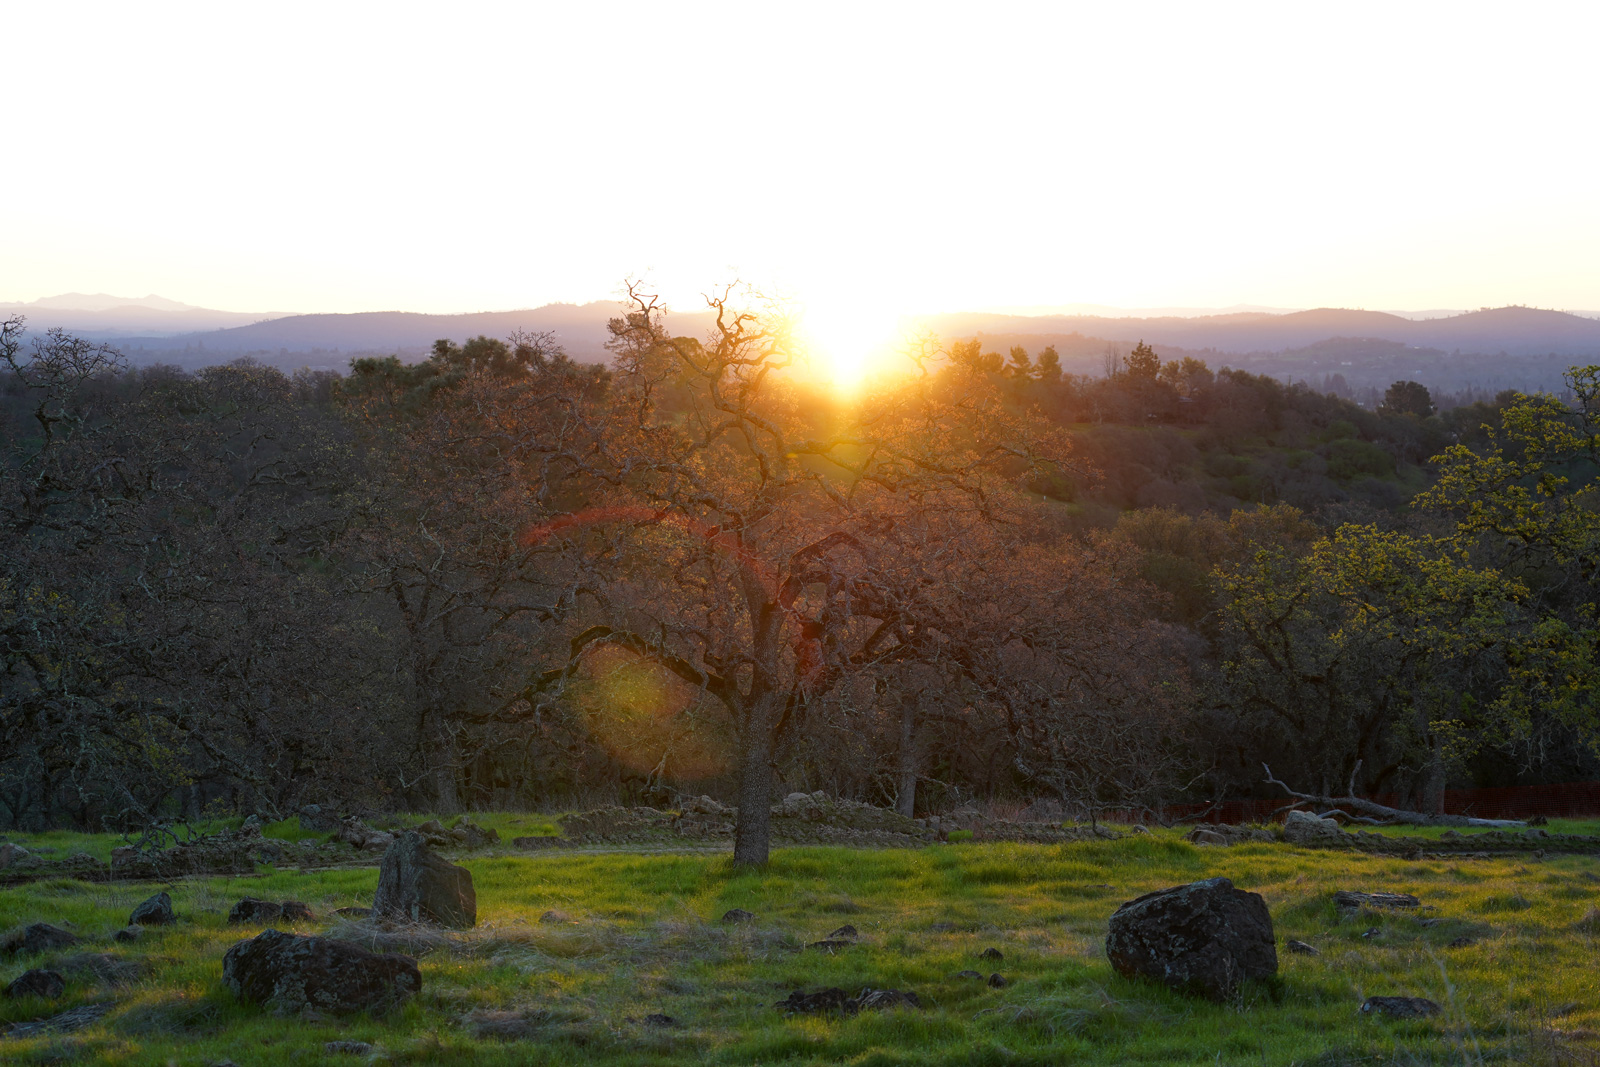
847, 342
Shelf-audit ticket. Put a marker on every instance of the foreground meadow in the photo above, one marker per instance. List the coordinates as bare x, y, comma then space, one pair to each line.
574, 951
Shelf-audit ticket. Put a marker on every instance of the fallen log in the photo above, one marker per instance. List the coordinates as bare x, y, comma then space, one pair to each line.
1378, 814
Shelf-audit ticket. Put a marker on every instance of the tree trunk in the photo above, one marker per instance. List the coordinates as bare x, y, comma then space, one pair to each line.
905, 801
442, 757
752, 834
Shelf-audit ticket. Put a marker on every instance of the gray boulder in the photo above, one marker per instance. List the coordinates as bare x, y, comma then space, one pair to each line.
157, 911
1304, 828
47, 984
414, 885
42, 937
1203, 938
291, 973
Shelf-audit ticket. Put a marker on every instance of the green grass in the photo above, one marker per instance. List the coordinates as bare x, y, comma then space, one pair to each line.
641, 938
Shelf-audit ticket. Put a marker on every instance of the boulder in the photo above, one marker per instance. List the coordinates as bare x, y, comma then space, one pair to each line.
738, 915
255, 912
157, 911
468, 834
1399, 1007
1302, 948
1350, 900
47, 984
291, 973
42, 937
1204, 938
1227, 834
991, 953
297, 911
1304, 828
414, 885
11, 853
128, 933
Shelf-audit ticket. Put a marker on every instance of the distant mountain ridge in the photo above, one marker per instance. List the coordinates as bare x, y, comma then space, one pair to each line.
1516, 331
100, 316
579, 328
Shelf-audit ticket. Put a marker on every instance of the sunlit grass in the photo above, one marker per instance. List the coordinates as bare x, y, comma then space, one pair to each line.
639, 936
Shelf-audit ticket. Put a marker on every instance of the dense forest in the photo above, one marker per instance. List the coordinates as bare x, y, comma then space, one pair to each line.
502, 578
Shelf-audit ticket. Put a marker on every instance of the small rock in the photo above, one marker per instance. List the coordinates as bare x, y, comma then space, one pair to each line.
1462, 942
1140, 830
251, 822
1372, 932
831, 945
255, 912
290, 973
11, 853
943, 928
1201, 836
1399, 1007
657, 1019
1538, 820
1347, 899
824, 1000
1302, 948
879, 999
991, 953
36, 983
42, 937
157, 911
128, 933
738, 915
997, 981
969, 974
353, 912
554, 917
845, 932
348, 1048
297, 911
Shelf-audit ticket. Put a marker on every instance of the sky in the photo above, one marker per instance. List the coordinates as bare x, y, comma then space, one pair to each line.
866, 160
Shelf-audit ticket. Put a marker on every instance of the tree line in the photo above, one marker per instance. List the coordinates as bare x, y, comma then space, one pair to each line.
500, 578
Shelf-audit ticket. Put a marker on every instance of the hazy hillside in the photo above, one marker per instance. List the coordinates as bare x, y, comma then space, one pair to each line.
580, 328
100, 316
1513, 330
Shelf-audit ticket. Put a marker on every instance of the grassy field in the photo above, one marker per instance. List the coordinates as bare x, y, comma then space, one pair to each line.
637, 935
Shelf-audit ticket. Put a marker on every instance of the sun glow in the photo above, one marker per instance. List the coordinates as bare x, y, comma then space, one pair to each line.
847, 343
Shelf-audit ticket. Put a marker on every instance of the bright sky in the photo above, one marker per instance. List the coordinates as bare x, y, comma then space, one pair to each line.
862, 157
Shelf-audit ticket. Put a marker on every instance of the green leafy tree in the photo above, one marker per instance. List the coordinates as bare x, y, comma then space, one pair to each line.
1407, 398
